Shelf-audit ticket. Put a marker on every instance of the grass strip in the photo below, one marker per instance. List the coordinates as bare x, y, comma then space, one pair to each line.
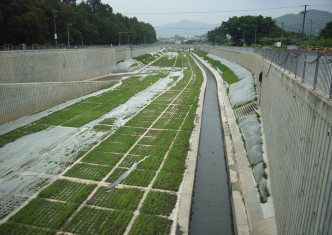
42, 213
158, 203
227, 74
68, 191
93, 221
150, 225
90, 172
125, 199
14, 228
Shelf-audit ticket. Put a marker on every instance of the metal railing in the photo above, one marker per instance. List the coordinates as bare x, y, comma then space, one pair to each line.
314, 68
36, 48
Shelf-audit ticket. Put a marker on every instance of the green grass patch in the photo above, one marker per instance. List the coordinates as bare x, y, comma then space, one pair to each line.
150, 225
103, 158
158, 203
151, 163
139, 177
125, 199
146, 58
130, 160
114, 147
86, 171
102, 128
115, 175
168, 181
108, 121
227, 74
165, 62
42, 213
14, 228
93, 221
68, 191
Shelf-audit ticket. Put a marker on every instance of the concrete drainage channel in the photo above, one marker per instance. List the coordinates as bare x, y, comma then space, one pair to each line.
211, 210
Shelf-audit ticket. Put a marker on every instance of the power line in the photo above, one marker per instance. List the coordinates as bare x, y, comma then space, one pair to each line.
209, 12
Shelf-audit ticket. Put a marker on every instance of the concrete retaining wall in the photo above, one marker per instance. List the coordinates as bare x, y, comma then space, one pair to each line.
32, 82
298, 127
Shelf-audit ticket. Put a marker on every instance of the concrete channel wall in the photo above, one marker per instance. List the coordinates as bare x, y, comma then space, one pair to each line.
298, 126
34, 81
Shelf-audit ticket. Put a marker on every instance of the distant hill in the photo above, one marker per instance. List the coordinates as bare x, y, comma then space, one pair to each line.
293, 22
183, 27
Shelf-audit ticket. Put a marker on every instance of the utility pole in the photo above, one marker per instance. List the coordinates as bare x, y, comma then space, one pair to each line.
282, 31
55, 35
304, 13
244, 35
68, 34
255, 34
310, 29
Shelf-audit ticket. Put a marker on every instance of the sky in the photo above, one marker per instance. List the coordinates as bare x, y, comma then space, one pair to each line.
140, 8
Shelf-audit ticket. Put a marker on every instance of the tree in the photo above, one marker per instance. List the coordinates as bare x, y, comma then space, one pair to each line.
244, 29
327, 31
93, 22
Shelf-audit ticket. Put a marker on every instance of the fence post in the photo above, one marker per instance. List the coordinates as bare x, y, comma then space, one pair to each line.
304, 65
316, 71
289, 64
297, 58
330, 93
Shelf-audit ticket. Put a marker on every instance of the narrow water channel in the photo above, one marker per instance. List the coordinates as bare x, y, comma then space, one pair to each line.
211, 209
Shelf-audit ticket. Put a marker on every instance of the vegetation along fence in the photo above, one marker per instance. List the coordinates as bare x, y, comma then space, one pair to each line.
314, 68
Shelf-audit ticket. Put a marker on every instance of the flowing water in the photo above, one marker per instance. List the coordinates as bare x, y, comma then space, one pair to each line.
211, 209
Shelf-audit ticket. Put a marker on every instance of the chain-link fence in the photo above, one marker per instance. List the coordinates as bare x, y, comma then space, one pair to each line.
314, 68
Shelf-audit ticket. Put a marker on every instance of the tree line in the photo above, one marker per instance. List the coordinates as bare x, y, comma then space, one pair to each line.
247, 30
89, 22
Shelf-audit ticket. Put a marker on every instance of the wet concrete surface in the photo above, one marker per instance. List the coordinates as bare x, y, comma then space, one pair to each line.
211, 208
111, 78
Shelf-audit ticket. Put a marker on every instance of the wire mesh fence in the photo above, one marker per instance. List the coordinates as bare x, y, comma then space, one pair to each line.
314, 68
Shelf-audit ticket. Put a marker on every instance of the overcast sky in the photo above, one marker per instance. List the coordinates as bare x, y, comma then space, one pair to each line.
173, 6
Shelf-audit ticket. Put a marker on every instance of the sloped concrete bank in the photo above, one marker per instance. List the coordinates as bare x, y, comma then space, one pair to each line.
32, 82
297, 124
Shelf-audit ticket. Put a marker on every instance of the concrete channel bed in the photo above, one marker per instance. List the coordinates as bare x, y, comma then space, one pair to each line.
151, 119
59, 185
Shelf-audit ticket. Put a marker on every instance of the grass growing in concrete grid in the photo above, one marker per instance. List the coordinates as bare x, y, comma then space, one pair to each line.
150, 225
116, 174
64, 190
14, 228
102, 158
94, 221
227, 74
165, 62
42, 213
125, 199
139, 177
87, 110
146, 58
157, 203
168, 181
20, 132
111, 212
87, 171
180, 60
